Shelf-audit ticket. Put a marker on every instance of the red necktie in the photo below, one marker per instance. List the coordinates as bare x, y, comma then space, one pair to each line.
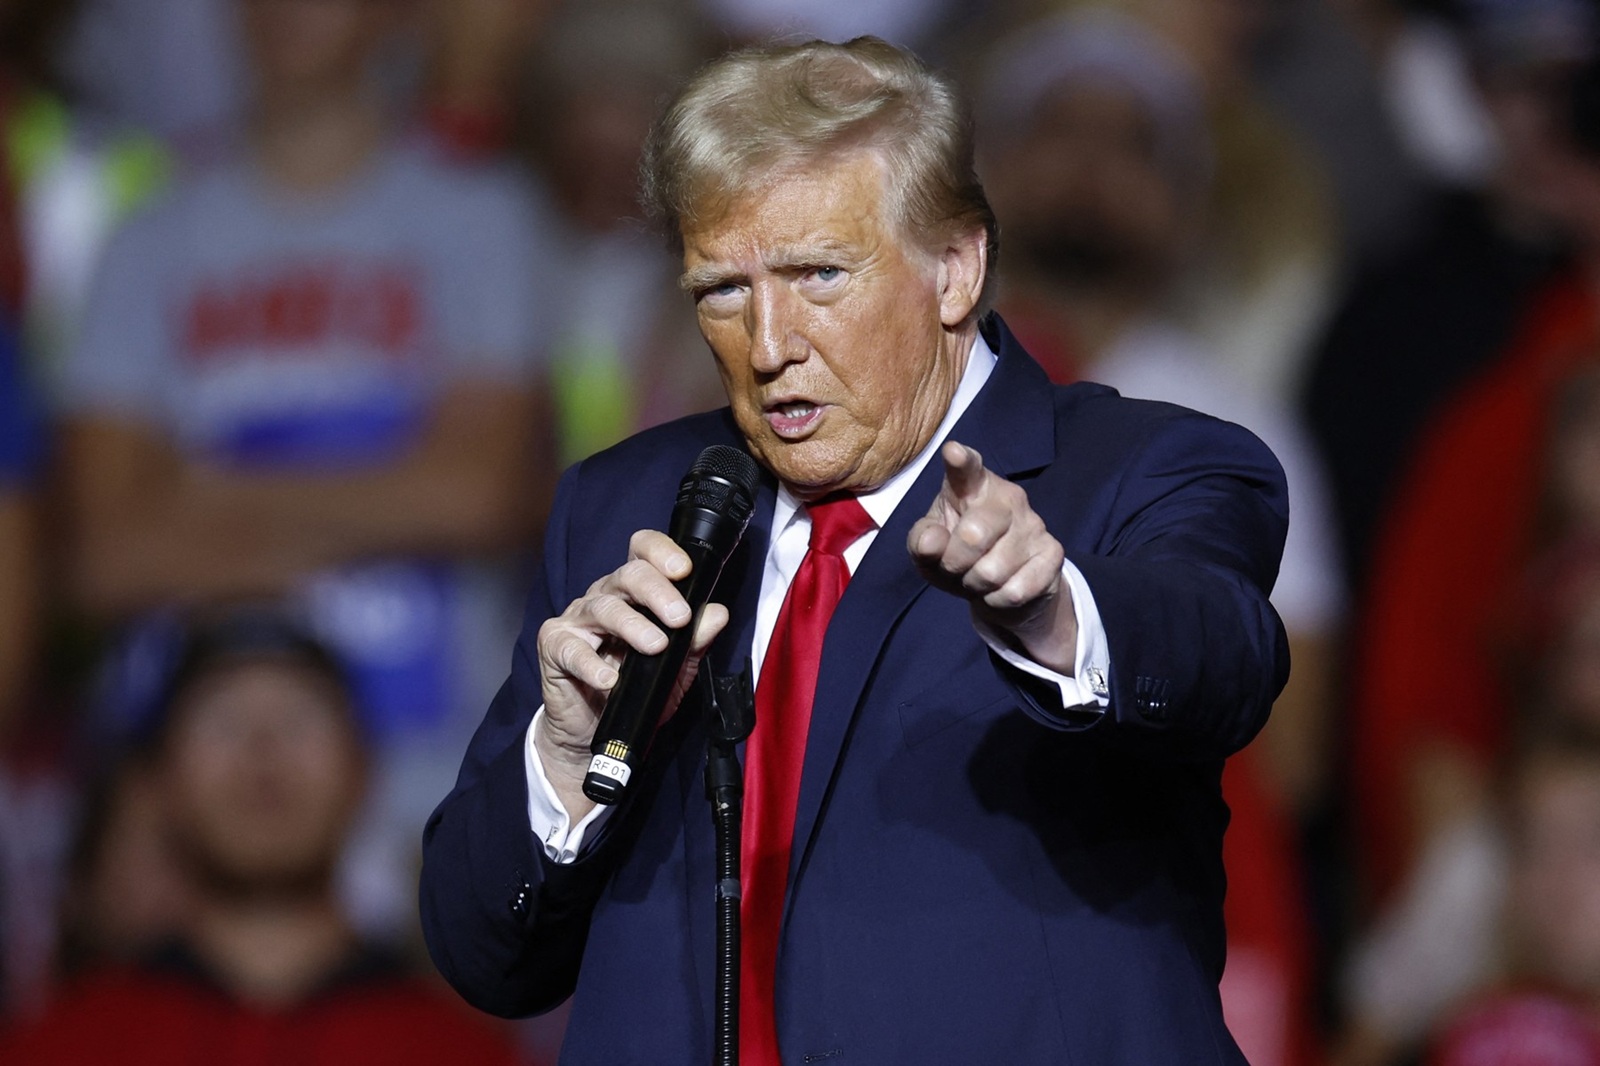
774, 756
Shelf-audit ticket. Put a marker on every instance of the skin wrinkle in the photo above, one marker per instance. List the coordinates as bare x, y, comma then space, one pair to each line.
809, 292
880, 346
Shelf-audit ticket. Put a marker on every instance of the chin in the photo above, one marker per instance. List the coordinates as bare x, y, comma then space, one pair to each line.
809, 479
271, 876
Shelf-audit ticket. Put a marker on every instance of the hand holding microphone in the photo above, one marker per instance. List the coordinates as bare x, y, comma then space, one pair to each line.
618, 659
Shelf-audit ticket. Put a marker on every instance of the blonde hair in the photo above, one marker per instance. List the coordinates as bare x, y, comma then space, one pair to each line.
755, 111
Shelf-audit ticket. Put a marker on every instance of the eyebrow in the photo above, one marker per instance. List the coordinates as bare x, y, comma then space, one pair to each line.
700, 278
823, 252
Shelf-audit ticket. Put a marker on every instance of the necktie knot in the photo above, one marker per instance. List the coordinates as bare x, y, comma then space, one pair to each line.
837, 523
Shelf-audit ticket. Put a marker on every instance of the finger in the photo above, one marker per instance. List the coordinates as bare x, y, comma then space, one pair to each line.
572, 656
613, 616
990, 572
660, 551
976, 535
642, 582
963, 470
927, 540
1022, 539
1037, 577
713, 619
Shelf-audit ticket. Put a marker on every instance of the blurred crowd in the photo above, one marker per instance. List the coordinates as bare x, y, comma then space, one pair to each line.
305, 305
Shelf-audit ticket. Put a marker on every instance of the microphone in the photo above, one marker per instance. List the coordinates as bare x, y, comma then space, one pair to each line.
714, 503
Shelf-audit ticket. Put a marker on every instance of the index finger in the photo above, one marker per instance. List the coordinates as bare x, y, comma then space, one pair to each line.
660, 551
963, 469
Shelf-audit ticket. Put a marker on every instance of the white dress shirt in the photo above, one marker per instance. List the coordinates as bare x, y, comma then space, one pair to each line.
1085, 690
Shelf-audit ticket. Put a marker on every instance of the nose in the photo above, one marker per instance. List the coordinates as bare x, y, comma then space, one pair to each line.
770, 321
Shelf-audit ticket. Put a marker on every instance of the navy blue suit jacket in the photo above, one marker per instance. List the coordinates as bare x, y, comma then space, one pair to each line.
976, 878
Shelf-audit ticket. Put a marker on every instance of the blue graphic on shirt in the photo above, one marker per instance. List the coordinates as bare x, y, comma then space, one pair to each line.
390, 623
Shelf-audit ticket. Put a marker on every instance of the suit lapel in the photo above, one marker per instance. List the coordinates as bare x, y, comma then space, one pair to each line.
1011, 423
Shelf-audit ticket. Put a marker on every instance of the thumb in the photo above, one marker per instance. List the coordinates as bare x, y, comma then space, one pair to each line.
713, 619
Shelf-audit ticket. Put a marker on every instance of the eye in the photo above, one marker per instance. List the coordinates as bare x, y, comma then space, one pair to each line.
721, 290
724, 297
823, 280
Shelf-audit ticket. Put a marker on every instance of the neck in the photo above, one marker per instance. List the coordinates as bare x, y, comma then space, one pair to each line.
959, 341
272, 952
957, 354
311, 143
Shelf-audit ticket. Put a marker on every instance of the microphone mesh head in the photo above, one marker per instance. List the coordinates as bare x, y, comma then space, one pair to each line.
723, 481
729, 464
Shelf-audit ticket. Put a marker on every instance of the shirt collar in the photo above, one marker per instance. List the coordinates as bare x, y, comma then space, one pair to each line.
881, 502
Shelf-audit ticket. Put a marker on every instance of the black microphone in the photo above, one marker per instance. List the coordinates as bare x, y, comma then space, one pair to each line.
714, 503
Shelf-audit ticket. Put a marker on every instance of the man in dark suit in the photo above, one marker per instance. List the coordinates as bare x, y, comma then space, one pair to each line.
999, 825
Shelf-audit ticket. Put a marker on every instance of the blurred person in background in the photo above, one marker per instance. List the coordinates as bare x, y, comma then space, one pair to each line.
1546, 1010
24, 945
1261, 281
1487, 249
1489, 956
311, 372
1326, 69
67, 175
1099, 163
908, 23
125, 893
21, 587
478, 51
70, 174
21, 450
623, 355
259, 765
1529, 633
175, 70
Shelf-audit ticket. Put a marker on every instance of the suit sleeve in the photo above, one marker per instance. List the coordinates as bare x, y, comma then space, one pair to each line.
1181, 577
505, 926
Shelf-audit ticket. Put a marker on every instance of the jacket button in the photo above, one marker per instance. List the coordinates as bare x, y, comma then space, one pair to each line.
519, 898
1150, 697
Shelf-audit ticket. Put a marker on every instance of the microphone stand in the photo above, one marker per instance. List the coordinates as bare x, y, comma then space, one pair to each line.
733, 716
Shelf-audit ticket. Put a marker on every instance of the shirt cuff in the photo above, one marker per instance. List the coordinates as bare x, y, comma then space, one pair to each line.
551, 824
1088, 689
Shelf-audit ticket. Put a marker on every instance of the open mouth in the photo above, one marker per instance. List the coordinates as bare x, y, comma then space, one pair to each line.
794, 419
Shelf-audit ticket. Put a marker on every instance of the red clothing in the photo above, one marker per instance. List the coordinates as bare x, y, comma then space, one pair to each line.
1046, 339
1527, 1029
1445, 566
1267, 986
468, 134
171, 1017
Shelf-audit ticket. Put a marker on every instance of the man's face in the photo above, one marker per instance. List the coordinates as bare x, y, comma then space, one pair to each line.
313, 46
262, 772
840, 343
1085, 194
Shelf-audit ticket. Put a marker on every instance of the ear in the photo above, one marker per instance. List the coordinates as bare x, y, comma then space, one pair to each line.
963, 265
